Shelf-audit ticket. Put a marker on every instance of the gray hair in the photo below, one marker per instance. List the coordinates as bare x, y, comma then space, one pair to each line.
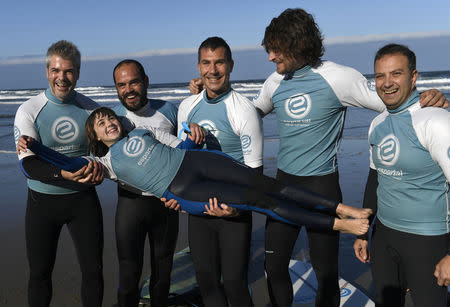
65, 49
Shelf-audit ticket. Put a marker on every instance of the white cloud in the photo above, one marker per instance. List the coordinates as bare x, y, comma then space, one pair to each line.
163, 52
382, 37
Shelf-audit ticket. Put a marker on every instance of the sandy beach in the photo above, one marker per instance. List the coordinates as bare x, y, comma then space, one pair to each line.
353, 165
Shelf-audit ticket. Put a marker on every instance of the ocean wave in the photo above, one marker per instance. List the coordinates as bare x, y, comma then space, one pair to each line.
91, 88
12, 102
441, 88
24, 98
169, 91
99, 94
171, 98
7, 151
240, 90
106, 100
434, 81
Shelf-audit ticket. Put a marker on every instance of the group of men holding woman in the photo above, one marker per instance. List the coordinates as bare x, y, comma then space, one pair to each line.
309, 97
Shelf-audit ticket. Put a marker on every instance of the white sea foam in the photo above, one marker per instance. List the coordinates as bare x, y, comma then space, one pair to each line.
441, 88
434, 81
108, 94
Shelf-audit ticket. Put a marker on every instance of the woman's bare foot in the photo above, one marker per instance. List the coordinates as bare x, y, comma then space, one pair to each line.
345, 212
355, 226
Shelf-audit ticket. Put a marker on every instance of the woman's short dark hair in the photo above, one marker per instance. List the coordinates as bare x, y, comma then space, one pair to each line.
295, 34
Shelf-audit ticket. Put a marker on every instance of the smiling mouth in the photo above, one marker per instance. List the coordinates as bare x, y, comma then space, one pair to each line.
391, 91
131, 96
214, 80
112, 130
62, 84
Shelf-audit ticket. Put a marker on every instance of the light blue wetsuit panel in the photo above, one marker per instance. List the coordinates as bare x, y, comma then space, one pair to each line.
141, 161
310, 108
233, 124
209, 113
409, 151
304, 123
156, 113
58, 125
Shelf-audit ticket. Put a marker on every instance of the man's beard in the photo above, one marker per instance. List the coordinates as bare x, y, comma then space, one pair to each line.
142, 102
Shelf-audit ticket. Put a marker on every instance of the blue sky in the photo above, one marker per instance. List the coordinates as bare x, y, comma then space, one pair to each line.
117, 29
101, 28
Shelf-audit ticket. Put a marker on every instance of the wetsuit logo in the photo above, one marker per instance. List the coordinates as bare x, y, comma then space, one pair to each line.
134, 146
246, 141
16, 133
65, 130
210, 126
389, 150
371, 85
298, 106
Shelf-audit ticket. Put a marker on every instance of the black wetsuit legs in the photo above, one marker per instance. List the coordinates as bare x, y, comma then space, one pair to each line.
221, 248
401, 260
324, 246
206, 174
45, 216
137, 217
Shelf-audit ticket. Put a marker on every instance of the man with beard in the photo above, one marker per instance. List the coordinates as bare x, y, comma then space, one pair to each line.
138, 213
56, 117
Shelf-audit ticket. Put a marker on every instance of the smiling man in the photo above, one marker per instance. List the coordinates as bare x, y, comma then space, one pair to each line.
220, 245
408, 184
56, 117
141, 214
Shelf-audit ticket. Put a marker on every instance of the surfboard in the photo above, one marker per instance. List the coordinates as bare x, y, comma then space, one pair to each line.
183, 288
304, 284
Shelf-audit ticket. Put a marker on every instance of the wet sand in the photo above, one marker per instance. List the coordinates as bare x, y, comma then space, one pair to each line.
353, 159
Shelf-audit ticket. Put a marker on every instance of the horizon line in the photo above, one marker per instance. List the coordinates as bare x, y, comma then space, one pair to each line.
338, 40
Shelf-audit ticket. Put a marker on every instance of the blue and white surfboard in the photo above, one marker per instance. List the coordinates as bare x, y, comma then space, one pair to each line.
304, 284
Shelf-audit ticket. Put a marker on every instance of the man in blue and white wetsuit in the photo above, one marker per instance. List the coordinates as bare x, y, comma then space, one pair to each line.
140, 214
220, 245
409, 185
56, 118
309, 98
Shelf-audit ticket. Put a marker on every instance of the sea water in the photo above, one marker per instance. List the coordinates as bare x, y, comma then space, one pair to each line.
356, 125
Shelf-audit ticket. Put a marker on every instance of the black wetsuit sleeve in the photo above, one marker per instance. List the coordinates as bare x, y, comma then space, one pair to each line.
259, 169
370, 195
35, 168
71, 164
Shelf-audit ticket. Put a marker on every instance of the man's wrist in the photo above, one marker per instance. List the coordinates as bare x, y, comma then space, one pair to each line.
363, 237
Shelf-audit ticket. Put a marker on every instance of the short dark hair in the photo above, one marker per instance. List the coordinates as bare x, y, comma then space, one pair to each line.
96, 147
213, 43
295, 33
390, 49
67, 50
139, 67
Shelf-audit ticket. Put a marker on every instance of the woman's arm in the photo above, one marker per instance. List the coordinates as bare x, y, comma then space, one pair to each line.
70, 164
